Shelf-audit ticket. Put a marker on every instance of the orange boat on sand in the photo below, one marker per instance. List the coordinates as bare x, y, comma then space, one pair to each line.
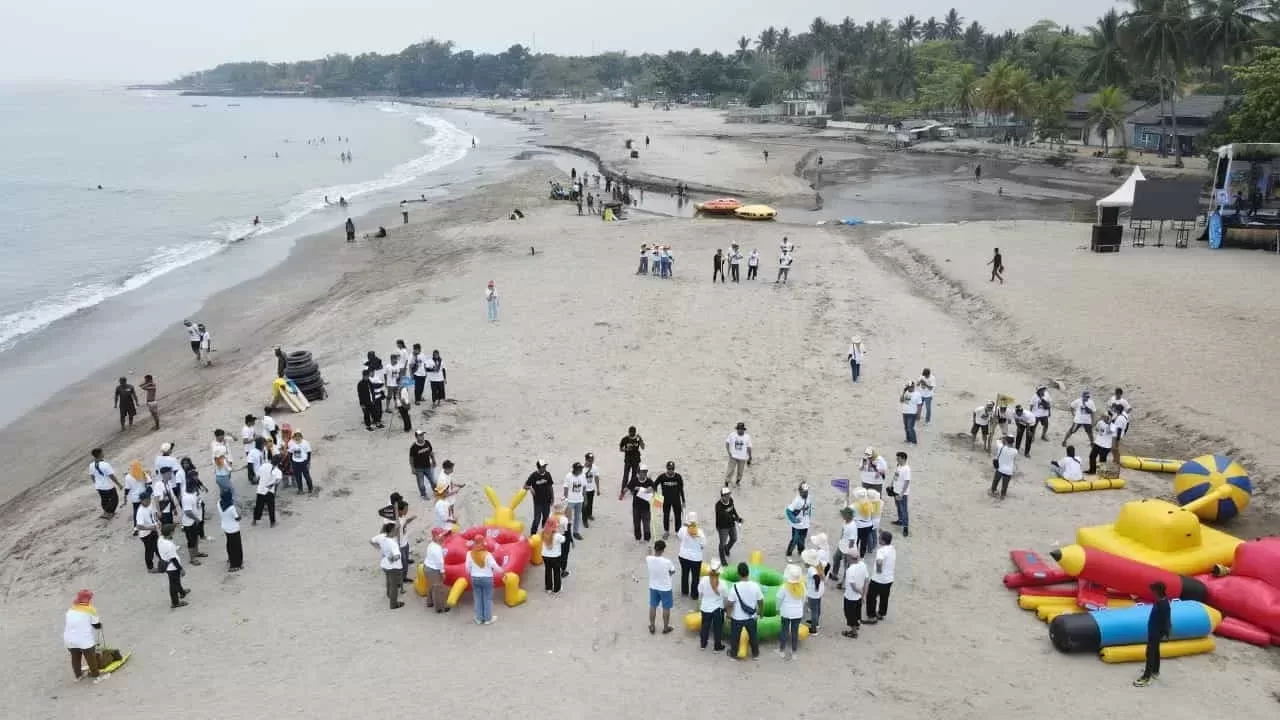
718, 206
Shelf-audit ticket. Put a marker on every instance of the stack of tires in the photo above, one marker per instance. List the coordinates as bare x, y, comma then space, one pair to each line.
303, 371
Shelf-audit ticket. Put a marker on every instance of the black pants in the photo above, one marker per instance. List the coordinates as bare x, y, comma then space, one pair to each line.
728, 538
1001, 481
437, 391
1152, 668
554, 572
193, 538
733, 271
404, 417
865, 536
149, 552
541, 512
713, 625
878, 599
1097, 453
1025, 432
110, 500
419, 384
1043, 422
690, 574
853, 613
629, 467
176, 591
268, 501
752, 270
640, 516
235, 552
372, 413
671, 507
588, 507
718, 272
735, 631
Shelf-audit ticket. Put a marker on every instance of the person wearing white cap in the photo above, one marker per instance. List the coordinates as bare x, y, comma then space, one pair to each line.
856, 353
738, 446
1042, 407
791, 603
641, 487
692, 542
814, 588
799, 514
855, 588
444, 506
711, 595
727, 522
927, 383
912, 403
872, 469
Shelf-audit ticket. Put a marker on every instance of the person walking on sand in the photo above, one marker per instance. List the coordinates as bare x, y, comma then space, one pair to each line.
147, 526
671, 486
404, 211
106, 483
799, 516
350, 226
900, 491
630, 446
1104, 434
1003, 462
266, 492
745, 601
883, 565
126, 401
977, 173
693, 541
717, 267
575, 487
481, 569
660, 593
1082, 413
738, 447
735, 261
791, 600
1069, 467
433, 566
912, 405
193, 337
711, 596
856, 353
727, 522
229, 518
753, 264
927, 383
854, 581
592, 474
1159, 626
814, 588
436, 375
148, 388
491, 301
172, 565
784, 267
1025, 422
997, 267
422, 462
391, 563
80, 629
644, 260
982, 416
206, 345
1042, 407
369, 406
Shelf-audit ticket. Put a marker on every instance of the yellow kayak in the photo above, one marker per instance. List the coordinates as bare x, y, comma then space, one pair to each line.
1158, 465
756, 212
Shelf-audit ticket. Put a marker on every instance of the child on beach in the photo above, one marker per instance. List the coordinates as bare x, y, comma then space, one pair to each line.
491, 301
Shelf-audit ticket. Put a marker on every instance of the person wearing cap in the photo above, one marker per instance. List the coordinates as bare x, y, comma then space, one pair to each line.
592, 474
660, 572
814, 588
848, 530
166, 459
105, 483
370, 405
172, 566
491, 301
671, 484
422, 461
80, 633
711, 595
912, 404
444, 506
791, 602
1104, 435
693, 541
884, 562
745, 601
1025, 426
541, 486
900, 491
738, 446
926, 384
575, 484
433, 566
1042, 407
148, 529
553, 542
482, 569
854, 582
799, 515
1003, 462
1082, 414
418, 365
727, 522
867, 511
630, 446
391, 562
641, 487
872, 470
856, 353
982, 416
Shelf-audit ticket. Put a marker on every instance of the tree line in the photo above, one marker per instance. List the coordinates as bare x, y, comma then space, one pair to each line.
1156, 50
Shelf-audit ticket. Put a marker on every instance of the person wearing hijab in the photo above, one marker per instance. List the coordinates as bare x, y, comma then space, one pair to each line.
791, 608
230, 520
711, 604
856, 353
79, 634
482, 569
491, 301
136, 482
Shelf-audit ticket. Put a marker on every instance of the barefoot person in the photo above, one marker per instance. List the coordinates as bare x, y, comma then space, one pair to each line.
1158, 628
80, 634
126, 401
148, 387
106, 483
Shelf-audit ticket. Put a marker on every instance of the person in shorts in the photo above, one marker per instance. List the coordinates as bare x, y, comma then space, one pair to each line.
660, 571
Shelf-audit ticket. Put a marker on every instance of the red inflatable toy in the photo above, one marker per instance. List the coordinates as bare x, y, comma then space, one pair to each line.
510, 550
1250, 591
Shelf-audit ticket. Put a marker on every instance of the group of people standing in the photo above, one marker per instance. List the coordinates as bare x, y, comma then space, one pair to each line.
399, 383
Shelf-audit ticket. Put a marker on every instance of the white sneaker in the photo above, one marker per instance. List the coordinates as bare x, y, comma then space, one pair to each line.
101, 677
491, 620
782, 654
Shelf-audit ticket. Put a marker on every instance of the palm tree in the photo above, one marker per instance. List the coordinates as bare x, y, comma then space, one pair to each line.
1053, 59
974, 36
964, 93
931, 29
744, 47
1225, 27
768, 40
908, 29
1106, 111
1159, 33
1106, 62
1052, 98
952, 25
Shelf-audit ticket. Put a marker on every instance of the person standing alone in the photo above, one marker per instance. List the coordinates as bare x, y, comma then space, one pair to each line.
901, 491
753, 264
735, 261
799, 516
149, 388
727, 522
717, 267
738, 446
912, 405
630, 446
997, 266
1159, 626
1006, 453
883, 565
660, 592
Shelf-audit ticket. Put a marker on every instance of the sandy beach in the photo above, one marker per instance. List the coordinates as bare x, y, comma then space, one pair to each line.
583, 348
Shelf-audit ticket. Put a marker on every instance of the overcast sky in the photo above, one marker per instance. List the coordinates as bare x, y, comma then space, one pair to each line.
123, 41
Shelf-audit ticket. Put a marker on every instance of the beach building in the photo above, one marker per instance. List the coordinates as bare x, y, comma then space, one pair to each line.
1080, 128
1194, 113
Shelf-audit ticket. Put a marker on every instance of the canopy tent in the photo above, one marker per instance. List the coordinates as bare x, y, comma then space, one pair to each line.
1123, 196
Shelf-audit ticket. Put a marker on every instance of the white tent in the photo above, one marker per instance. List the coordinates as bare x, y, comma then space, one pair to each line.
1123, 196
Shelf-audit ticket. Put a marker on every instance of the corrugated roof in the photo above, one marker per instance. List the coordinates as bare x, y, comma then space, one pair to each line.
1080, 104
1193, 106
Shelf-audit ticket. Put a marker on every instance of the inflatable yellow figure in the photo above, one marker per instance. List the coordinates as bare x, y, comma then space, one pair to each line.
504, 516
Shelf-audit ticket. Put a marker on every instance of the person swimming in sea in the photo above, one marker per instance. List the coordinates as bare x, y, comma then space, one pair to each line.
342, 202
256, 221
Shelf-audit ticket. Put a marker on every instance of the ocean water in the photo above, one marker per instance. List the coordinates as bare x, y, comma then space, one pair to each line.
182, 179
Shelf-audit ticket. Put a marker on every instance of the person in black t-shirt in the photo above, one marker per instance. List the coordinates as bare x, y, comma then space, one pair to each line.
641, 487
543, 488
727, 522
422, 460
126, 401
630, 447
1158, 628
672, 486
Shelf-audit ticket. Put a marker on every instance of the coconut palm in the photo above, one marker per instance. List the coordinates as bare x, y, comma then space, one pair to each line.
964, 92
1107, 62
908, 29
744, 47
931, 29
768, 40
1159, 33
1106, 111
1225, 27
1051, 99
952, 25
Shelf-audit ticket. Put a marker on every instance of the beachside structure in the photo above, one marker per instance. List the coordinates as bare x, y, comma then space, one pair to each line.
1194, 113
1080, 128
812, 97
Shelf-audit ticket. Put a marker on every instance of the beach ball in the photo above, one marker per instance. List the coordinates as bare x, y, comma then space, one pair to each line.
1214, 487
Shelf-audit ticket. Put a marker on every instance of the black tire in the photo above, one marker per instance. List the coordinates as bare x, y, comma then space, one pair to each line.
301, 371
298, 356
311, 379
311, 385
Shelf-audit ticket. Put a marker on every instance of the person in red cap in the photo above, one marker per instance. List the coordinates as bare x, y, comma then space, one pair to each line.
491, 301
433, 565
80, 635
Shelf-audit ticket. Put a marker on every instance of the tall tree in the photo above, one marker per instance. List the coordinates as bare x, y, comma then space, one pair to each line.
952, 25
1258, 117
908, 29
1159, 31
1224, 28
744, 47
1106, 112
931, 30
1106, 62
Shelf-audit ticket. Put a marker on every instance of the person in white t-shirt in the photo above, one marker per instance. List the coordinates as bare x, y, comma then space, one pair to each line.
300, 461
80, 635
692, 542
1120, 424
753, 264
192, 511
1069, 467
799, 516
436, 375
883, 565
738, 446
193, 338
172, 566
926, 384
266, 495
791, 601
575, 488
220, 456
147, 526
1003, 417
982, 416
1042, 407
900, 490
592, 474
848, 531
745, 600
229, 518
418, 364
482, 569
270, 428
554, 532
854, 584
814, 588
660, 572
254, 459
1117, 402
1003, 461
1104, 434
711, 595
433, 565
856, 353
784, 267
873, 470
391, 563
1082, 416
911, 403
106, 483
